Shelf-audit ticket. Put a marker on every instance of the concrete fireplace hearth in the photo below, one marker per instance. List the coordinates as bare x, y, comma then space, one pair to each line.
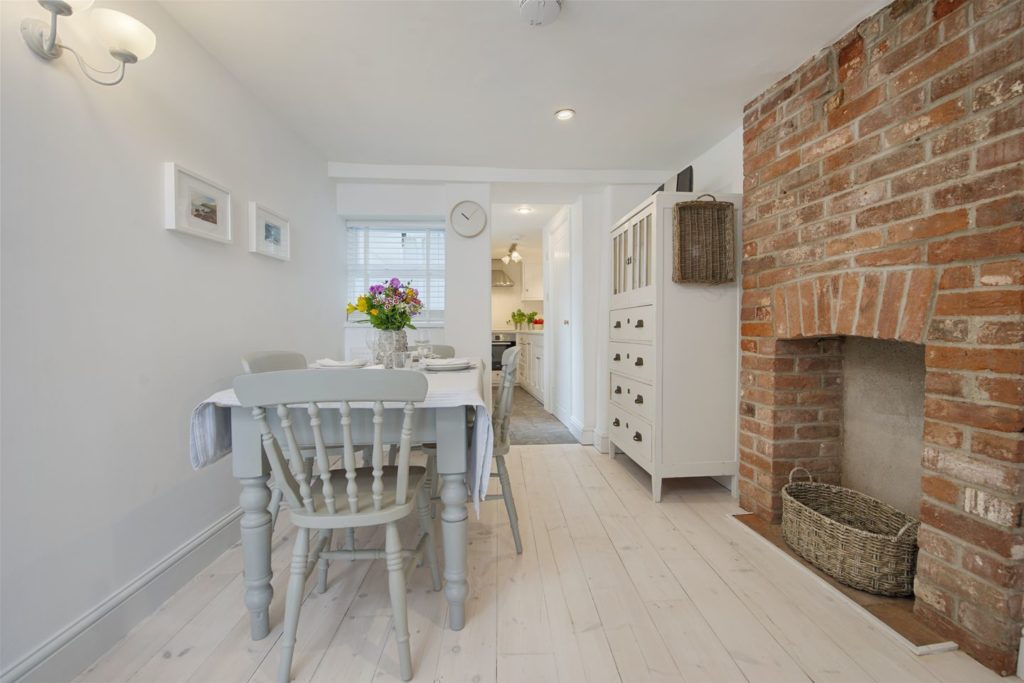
883, 201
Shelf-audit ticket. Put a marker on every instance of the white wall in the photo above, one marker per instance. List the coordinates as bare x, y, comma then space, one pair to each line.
468, 266
113, 328
720, 168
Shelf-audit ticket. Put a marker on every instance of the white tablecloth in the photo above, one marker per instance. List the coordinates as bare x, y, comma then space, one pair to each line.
210, 427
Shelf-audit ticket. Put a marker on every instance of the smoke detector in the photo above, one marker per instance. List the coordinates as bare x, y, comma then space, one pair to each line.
540, 12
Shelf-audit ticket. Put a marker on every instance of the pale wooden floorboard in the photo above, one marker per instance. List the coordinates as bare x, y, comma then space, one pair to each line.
610, 587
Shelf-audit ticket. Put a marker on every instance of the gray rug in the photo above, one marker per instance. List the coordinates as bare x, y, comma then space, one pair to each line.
531, 424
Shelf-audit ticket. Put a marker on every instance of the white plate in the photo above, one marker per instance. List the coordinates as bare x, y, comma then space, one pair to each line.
447, 368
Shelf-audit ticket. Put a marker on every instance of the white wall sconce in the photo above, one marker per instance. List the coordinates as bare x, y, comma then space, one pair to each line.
127, 39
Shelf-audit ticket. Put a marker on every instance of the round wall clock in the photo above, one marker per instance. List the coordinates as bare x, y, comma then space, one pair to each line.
468, 218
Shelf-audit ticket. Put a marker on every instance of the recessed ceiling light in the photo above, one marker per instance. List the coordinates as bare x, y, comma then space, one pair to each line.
524, 209
565, 114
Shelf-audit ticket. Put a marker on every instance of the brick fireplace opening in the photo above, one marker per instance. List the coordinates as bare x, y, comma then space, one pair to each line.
883, 201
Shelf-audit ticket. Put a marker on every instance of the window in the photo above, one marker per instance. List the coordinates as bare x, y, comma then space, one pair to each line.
412, 252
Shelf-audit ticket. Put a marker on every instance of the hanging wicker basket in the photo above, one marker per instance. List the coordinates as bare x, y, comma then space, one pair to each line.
704, 242
858, 540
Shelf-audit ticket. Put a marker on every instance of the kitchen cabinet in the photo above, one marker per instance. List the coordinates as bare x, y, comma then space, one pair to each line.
530, 372
533, 279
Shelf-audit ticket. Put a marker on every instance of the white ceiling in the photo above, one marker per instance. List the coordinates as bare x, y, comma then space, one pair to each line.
507, 223
470, 83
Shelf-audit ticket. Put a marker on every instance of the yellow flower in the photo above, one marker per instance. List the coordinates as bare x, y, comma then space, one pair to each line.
350, 309
373, 311
361, 304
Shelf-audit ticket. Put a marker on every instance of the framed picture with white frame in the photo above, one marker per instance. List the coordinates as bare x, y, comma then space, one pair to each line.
270, 233
196, 205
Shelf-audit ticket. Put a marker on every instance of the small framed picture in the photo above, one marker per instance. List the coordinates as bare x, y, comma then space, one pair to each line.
196, 205
270, 233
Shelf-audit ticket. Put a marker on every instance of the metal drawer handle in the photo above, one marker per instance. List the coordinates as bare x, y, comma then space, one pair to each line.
617, 325
615, 422
639, 399
639, 362
639, 324
637, 436
617, 356
618, 390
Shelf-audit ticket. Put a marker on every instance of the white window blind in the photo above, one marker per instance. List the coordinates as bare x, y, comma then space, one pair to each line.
411, 251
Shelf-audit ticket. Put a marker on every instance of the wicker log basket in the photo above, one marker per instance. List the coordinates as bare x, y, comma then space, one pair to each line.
704, 242
858, 540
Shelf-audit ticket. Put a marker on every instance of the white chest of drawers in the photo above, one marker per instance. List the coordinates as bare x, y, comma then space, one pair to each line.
673, 353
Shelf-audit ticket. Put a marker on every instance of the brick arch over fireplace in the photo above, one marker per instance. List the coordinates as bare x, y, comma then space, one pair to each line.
884, 198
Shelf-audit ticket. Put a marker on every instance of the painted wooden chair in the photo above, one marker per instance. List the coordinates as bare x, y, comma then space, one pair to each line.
349, 498
273, 361
500, 420
443, 351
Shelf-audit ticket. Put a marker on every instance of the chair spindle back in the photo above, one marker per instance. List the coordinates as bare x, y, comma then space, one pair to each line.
506, 390
292, 393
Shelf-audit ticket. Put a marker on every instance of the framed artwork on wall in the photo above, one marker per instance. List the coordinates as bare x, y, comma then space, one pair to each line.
195, 205
270, 233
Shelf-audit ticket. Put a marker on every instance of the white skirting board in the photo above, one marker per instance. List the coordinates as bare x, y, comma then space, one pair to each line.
70, 651
945, 646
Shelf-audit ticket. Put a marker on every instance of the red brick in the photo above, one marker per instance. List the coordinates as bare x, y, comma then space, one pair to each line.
847, 313
946, 383
912, 102
1002, 389
867, 312
952, 330
999, 541
1003, 273
780, 167
847, 156
936, 544
915, 312
756, 329
930, 226
1007, 447
936, 63
993, 568
1002, 661
1001, 152
891, 257
892, 299
858, 242
808, 316
999, 90
984, 63
857, 199
750, 133
827, 145
1000, 212
1003, 332
997, 28
944, 7
957, 277
942, 434
903, 157
937, 117
851, 110
973, 247
940, 488
995, 418
980, 303
976, 359
937, 173
850, 57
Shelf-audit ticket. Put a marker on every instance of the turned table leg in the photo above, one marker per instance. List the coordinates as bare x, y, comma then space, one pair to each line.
452, 451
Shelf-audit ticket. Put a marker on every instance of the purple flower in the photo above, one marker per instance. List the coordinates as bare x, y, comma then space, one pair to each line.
376, 289
395, 283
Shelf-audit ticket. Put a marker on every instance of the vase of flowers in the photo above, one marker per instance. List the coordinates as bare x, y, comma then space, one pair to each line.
389, 307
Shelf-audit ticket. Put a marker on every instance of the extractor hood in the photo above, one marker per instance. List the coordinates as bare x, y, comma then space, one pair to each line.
499, 278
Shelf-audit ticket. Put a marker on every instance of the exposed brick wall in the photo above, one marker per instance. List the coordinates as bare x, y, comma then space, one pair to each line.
884, 197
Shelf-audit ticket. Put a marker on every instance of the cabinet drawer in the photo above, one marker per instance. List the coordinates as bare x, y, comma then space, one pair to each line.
632, 324
631, 434
634, 360
633, 395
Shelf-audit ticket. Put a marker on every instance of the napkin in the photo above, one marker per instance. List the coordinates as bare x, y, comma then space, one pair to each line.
325, 363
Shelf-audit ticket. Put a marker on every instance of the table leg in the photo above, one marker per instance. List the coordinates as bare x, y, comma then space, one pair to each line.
251, 469
452, 451
256, 532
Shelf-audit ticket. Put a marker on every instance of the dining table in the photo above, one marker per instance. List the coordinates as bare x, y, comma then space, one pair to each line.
222, 426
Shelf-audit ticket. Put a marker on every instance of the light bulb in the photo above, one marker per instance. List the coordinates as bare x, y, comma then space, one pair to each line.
565, 114
127, 38
516, 257
524, 210
505, 259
